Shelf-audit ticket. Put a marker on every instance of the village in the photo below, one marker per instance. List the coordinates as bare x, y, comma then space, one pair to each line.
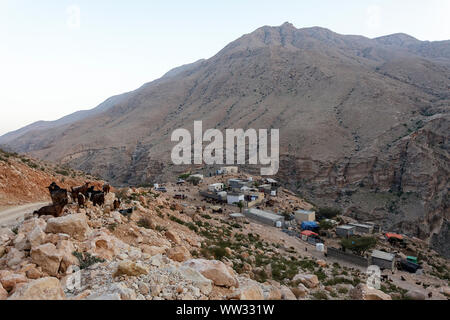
324, 235
215, 233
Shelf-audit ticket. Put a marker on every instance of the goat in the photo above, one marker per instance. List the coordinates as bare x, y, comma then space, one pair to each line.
116, 204
81, 189
81, 199
58, 195
98, 198
55, 210
106, 188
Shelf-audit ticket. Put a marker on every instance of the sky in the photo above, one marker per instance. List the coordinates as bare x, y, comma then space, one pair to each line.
59, 56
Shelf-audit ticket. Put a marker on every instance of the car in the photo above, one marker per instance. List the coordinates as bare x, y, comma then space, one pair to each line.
161, 189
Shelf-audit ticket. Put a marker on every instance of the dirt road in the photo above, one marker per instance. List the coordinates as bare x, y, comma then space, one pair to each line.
13, 214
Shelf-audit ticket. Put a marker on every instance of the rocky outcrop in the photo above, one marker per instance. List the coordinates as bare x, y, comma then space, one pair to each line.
75, 225
217, 271
41, 289
363, 292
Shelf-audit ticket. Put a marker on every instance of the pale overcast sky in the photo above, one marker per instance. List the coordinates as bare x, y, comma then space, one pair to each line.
59, 56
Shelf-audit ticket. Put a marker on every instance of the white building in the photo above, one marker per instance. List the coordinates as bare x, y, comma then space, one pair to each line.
216, 187
233, 198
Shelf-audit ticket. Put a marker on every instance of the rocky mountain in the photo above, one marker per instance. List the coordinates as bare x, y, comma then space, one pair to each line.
363, 122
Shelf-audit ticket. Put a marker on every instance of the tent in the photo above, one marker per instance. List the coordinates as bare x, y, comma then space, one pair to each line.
309, 225
308, 233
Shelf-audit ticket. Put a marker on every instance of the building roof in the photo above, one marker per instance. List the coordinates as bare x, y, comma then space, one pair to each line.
361, 225
265, 214
382, 255
237, 215
390, 235
346, 227
304, 211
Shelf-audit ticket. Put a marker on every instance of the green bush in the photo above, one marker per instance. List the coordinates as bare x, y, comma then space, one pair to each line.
359, 245
86, 259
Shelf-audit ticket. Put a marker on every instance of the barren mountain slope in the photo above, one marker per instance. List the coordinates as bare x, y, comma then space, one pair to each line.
354, 113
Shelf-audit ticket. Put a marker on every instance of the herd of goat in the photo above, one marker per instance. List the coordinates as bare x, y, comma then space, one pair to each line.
60, 198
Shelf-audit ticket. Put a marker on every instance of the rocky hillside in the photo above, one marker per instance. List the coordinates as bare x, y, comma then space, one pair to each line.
363, 122
174, 250
25, 180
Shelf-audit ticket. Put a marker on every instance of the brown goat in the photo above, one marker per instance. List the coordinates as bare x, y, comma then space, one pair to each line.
98, 199
81, 200
116, 204
106, 188
58, 195
81, 189
55, 210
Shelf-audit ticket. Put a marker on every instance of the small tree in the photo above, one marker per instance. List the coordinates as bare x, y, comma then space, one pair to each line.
359, 245
325, 225
240, 205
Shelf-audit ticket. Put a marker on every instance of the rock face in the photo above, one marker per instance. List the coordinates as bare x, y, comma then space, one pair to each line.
309, 280
325, 91
3, 293
130, 268
41, 289
75, 225
47, 257
179, 253
362, 292
217, 271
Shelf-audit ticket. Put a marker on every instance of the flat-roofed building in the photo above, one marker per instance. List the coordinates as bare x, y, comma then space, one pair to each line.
305, 215
362, 228
383, 259
265, 217
345, 231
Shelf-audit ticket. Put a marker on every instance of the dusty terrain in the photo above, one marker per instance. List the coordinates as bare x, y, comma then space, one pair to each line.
364, 122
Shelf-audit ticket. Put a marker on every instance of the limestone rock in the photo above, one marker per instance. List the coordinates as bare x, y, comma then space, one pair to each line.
75, 225
9, 280
199, 281
217, 271
179, 253
287, 294
41, 289
3, 293
47, 257
172, 236
130, 268
309, 280
363, 292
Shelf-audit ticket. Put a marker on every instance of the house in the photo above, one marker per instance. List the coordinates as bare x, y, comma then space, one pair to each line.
306, 234
305, 215
217, 196
237, 184
235, 197
215, 187
362, 228
383, 259
252, 198
345, 231
272, 182
228, 170
265, 217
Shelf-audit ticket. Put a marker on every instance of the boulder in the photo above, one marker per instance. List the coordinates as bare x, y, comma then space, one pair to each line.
3, 293
287, 294
41, 289
2, 251
75, 225
309, 280
300, 291
250, 290
363, 292
9, 280
179, 253
130, 268
415, 295
197, 279
36, 237
153, 250
321, 263
66, 249
172, 236
217, 271
21, 242
47, 257
14, 258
